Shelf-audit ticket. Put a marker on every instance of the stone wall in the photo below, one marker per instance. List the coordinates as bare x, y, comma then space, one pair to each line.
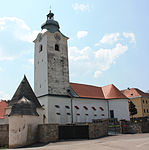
22, 130
48, 133
97, 130
4, 135
134, 127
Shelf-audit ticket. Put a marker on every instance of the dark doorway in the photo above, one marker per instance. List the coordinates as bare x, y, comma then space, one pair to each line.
73, 132
111, 113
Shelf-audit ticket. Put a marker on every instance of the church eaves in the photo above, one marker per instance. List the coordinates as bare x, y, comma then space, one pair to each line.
24, 90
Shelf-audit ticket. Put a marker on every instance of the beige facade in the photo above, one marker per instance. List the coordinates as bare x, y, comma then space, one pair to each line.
142, 106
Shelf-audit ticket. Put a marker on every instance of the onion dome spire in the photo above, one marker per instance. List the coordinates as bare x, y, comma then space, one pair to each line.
51, 25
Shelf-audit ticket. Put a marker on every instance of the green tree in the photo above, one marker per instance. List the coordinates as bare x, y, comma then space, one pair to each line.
132, 109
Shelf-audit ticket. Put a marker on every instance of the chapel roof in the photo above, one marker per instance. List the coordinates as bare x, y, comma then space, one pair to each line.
24, 107
134, 92
89, 91
3, 105
24, 90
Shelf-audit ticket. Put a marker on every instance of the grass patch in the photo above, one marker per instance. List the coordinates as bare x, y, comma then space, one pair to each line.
3, 147
114, 126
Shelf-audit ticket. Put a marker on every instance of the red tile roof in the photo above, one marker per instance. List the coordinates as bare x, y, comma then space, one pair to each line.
3, 105
89, 91
134, 92
111, 92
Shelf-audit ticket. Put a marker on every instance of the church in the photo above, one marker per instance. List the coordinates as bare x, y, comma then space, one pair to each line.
55, 99
38, 115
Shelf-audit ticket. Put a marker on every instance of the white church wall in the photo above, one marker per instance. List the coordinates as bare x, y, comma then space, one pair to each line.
59, 110
44, 103
86, 115
120, 107
22, 130
2, 121
41, 113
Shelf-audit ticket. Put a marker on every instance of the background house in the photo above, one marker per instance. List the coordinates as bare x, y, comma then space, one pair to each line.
140, 99
3, 105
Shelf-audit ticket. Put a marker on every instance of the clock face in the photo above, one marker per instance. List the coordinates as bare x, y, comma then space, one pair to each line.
57, 36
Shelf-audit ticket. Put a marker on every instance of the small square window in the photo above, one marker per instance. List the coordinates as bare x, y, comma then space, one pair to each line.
40, 48
57, 106
67, 107
58, 113
56, 47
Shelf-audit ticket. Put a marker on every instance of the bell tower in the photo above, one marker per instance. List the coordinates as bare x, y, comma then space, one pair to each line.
51, 72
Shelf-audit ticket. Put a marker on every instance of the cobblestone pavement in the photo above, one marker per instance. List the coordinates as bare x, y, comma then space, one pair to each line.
119, 142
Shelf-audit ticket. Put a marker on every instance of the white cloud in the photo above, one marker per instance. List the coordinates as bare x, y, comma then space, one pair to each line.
98, 61
81, 34
1, 69
109, 39
97, 74
81, 7
18, 27
79, 55
4, 96
130, 36
31, 61
4, 57
106, 57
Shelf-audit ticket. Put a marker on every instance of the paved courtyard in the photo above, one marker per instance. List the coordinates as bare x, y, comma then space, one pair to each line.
120, 142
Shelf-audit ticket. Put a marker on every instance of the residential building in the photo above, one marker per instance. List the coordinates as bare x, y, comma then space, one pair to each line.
3, 105
140, 99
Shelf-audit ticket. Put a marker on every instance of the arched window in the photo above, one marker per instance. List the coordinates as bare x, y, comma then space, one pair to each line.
56, 47
40, 48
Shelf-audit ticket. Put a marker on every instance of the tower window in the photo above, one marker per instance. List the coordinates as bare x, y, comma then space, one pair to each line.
40, 48
56, 47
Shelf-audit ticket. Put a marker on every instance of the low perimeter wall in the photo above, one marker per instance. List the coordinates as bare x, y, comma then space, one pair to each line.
48, 133
132, 128
4, 135
97, 130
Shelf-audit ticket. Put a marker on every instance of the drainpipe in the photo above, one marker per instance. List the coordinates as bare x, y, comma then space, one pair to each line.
71, 100
108, 108
71, 110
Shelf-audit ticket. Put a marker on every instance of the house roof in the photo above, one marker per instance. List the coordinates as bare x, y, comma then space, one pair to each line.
89, 91
111, 92
24, 90
134, 92
3, 105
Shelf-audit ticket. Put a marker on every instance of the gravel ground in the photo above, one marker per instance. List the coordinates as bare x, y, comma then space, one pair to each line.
119, 142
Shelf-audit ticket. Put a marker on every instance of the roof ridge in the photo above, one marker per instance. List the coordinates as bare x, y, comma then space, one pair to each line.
24, 89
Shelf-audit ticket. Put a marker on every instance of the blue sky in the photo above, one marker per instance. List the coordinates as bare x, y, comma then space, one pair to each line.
108, 41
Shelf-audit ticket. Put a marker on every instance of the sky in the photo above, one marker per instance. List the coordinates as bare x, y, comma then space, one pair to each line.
108, 41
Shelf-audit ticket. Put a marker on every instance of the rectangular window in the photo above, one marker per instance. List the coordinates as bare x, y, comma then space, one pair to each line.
144, 111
